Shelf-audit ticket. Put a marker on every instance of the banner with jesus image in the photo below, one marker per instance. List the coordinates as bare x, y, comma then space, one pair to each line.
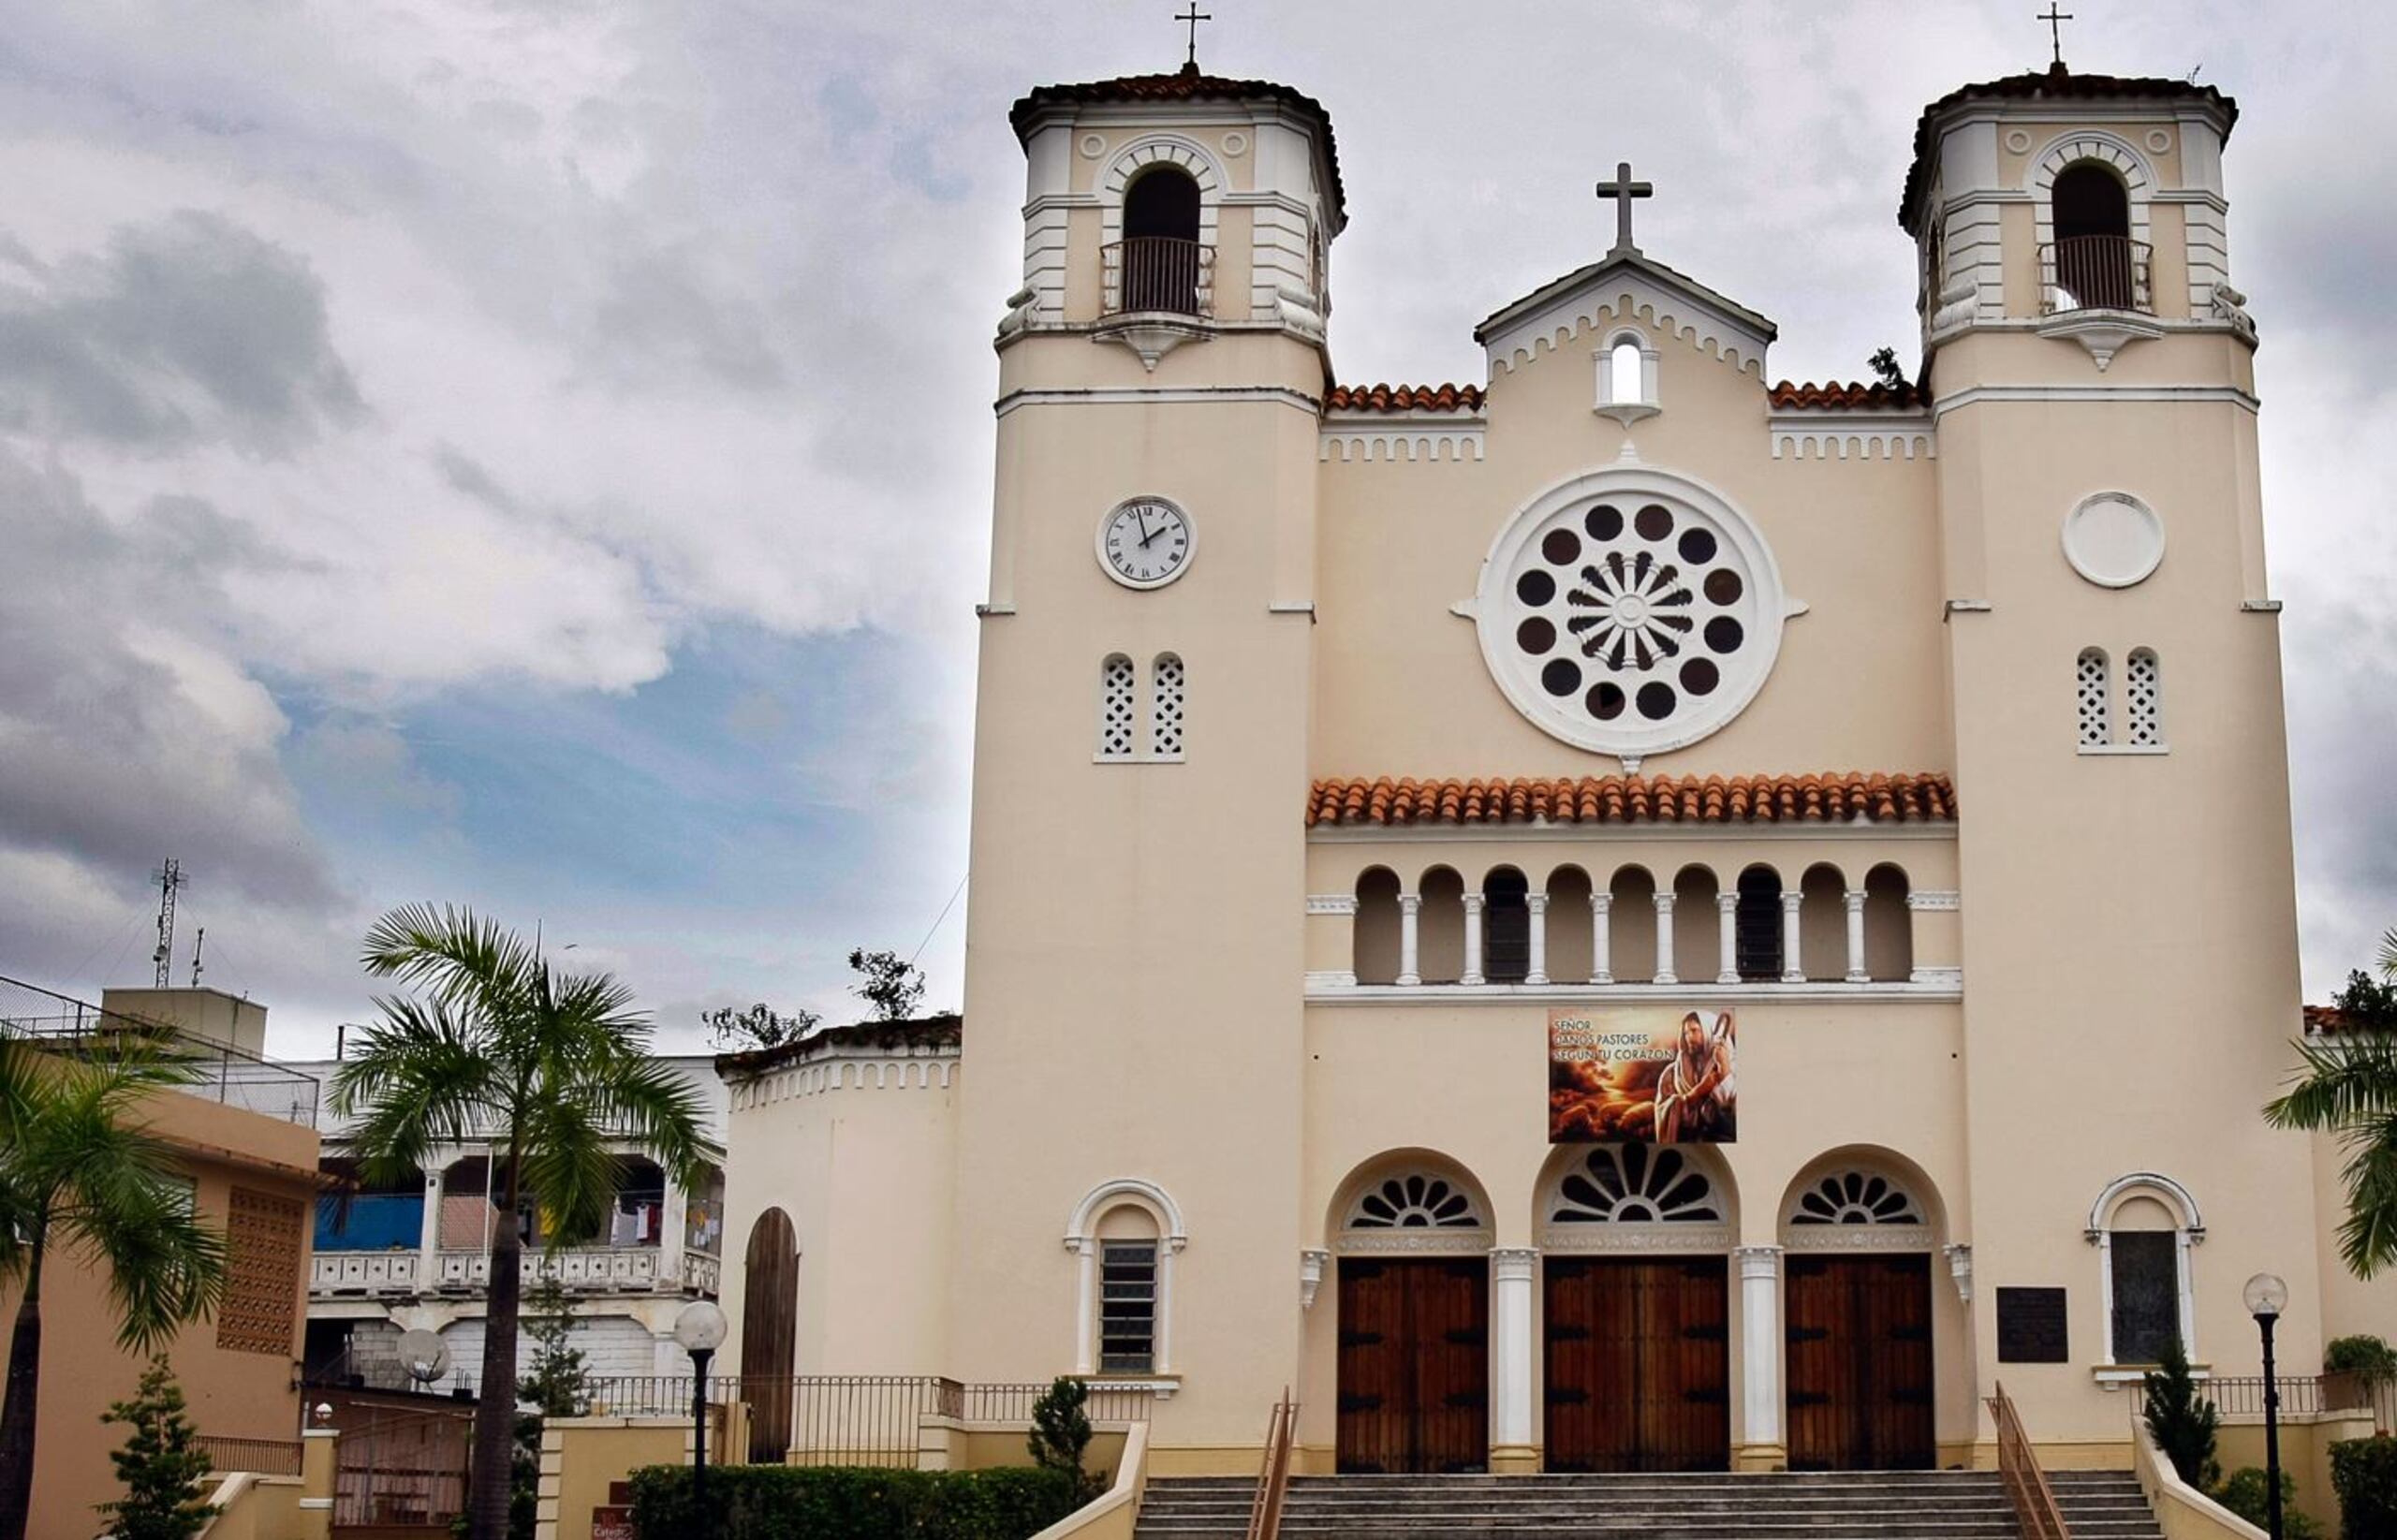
1642, 1075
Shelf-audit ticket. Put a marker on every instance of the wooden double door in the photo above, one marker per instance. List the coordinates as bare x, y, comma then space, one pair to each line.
1638, 1363
1414, 1364
1859, 1362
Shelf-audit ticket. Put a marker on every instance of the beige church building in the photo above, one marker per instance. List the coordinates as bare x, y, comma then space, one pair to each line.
1625, 916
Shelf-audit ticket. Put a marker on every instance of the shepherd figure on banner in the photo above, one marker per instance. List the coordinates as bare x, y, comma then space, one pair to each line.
1695, 1095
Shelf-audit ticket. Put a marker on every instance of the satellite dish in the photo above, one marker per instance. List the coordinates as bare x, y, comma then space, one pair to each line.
425, 1356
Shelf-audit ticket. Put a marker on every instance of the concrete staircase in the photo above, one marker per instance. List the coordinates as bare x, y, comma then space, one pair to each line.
1864, 1505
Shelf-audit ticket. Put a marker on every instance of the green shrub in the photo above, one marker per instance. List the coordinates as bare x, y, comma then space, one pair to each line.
848, 1502
2363, 1471
2181, 1421
2368, 1357
2245, 1494
1061, 1433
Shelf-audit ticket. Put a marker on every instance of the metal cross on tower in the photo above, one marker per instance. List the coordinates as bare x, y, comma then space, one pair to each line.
2055, 20
1193, 16
1622, 190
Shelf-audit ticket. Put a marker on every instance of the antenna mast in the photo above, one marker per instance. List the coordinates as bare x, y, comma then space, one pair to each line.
198, 943
170, 876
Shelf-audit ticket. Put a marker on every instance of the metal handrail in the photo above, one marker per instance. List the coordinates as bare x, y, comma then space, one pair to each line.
2095, 272
2018, 1470
1273, 1476
1159, 274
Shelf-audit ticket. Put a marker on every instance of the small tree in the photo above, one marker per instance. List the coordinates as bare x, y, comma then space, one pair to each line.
759, 1027
558, 1380
1061, 1433
161, 1465
891, 987
2180, 1420
1884, 364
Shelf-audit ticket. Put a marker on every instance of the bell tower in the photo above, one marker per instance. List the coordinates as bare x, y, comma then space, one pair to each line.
1134, 926
2114, 670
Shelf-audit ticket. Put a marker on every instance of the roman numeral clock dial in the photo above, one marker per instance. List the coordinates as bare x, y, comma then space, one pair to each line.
1146, 542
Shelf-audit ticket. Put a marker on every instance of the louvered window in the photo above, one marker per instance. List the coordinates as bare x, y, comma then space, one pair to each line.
1128, 1307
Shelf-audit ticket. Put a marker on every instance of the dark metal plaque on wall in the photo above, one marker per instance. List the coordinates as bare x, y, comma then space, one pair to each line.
2031, 1327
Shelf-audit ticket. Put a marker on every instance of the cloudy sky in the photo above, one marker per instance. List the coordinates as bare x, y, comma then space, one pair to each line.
536, 454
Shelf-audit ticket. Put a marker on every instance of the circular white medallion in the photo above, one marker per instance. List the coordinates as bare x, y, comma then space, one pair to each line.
1092, 146
2159, 140
2113, 539
1629, 612
2017, 141
1146, 542
1235, 143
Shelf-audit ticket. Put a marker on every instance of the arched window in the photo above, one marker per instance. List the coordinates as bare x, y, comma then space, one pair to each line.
2143, 1225
1115, 707
1166, 687
1697, 951
2143, 699
1376, 939
1631, 926
1568, 925
1822, 923
1506, 927
1888, 926
1440, 928
2094, 259
1160, 254
1414, 1201
2091, 686
1757, 954
1126, 1233
1627, 378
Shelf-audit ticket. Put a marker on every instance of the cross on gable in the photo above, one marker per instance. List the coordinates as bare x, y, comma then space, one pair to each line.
2055, 20
1622, 190
1193, 16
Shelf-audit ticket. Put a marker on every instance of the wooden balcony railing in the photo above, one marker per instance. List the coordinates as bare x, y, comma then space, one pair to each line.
1159, 275
2018, 1470
2095, 272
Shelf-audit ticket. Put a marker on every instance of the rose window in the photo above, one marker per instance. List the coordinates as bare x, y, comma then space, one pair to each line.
1632, 1184
1629, 612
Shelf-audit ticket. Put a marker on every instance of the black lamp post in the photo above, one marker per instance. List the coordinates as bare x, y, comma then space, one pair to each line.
2266, 1295
700, 1329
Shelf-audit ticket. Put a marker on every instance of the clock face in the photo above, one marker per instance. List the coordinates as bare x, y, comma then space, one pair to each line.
1145, 543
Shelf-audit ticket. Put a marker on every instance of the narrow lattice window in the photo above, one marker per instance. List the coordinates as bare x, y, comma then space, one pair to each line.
1115, 708
1127, 1306
2096, 730
1165, 713
2143, 699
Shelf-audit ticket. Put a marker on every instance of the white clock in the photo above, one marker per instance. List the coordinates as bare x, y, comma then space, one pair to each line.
1146, 542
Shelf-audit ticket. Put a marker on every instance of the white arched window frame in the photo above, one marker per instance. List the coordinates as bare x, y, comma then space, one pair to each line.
2079, 146
1177, 150
1081, 1239
2188, 1231
1628, 400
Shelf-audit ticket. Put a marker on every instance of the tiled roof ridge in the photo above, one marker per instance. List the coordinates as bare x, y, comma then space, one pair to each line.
1403, 398
1838, 394
1188, 84
2053, 81
1836, 796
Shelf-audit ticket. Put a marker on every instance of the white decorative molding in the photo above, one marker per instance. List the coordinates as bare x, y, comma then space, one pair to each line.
2073, 147
1331, 978
1934, 900
1812, 434
2095, 392
2018, 140
1858, 1237
1624, 296
1635, 1239
1311, 1266
861, 1069
1856, 829
1134, 1190
1761, 1342
2155, 1184
2189, 1233
1411, 1242
1614, 400
1859, 1208
1235, 143
1092, 146
1169, 396
363, 1273
1927, 986
2159, 141
2112, 539
1152, 336
2103, 333
1938, 980
1960, 1268
1414, 437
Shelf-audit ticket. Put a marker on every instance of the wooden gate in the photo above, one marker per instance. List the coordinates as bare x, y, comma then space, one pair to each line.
1860, 1362
1637, 1364
770, 1334
1414, 1364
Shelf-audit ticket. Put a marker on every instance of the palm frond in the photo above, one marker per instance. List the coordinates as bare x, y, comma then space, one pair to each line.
454, 956
655, 1108
2343, 1081
421, 1078
567, 1167
2387, 959
2368, 1236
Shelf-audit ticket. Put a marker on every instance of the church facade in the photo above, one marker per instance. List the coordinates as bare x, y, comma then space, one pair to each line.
1626, 915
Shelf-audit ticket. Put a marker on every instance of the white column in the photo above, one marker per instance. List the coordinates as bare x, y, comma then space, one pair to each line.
1472, 940
1726, 934
1510, 1359
1602, 938
1760, 1341
1793, 960
1410, 911
1665, 973
1538, 904
1856, 973
1085, 1303
671, 1224
428, 1254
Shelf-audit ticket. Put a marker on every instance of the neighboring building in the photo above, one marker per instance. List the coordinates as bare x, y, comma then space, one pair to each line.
244, 1135
1622, 916
416, 1253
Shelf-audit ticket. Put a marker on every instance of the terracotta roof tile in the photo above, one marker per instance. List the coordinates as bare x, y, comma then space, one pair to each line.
2054, 84
1403, 398
1633, 799
1835, 395
943, 1031
1186, 84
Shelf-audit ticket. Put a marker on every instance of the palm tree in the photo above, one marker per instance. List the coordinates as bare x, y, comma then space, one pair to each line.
549, 1067
82, 1177
2349, 1086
